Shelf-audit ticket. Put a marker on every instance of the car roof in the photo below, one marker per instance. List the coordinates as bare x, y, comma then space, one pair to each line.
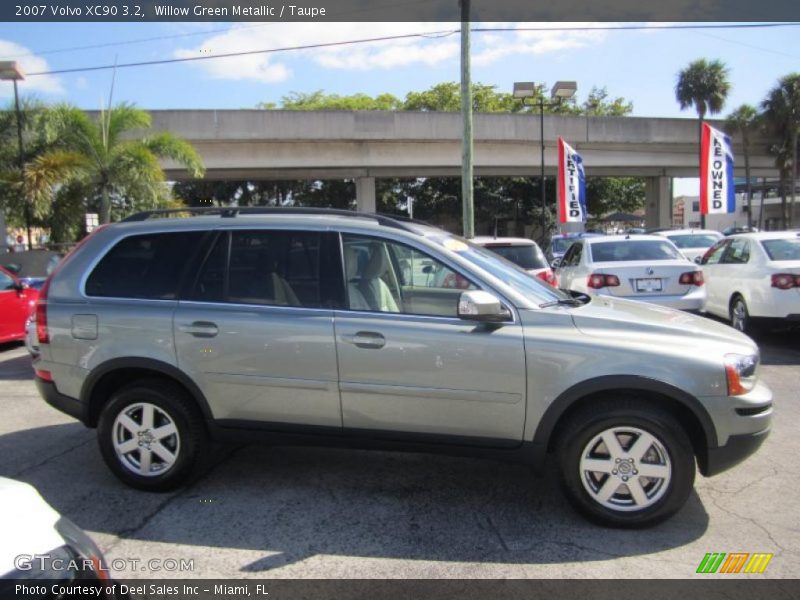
668, 232
578, 235
767, 235
237, 218
629, 236
483, 240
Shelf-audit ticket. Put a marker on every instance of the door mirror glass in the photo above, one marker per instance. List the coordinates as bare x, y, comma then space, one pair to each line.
478, 305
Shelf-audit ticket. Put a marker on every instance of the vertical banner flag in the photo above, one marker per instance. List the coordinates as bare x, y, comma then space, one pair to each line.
717, 191
571, 185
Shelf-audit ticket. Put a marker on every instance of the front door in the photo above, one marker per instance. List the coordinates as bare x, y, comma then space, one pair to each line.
14, 306
407, 364
256, 329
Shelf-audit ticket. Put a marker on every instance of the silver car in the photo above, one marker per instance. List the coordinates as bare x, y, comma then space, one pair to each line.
637, 267
336, 328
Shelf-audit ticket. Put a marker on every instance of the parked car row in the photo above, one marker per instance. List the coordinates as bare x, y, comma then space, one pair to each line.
746, 278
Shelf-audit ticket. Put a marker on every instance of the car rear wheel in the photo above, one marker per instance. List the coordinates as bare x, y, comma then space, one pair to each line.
625, 463
151, 436
740, 316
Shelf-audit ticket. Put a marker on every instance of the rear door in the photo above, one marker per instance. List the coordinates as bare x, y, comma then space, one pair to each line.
409, 365
255, 329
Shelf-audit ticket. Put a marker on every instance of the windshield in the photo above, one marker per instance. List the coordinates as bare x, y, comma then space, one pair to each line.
693, 240
785, 249
625, 250
534, 289
527, 257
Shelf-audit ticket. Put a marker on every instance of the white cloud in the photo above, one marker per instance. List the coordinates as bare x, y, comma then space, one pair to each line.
29, 63
272, 67
427, 51
495, 46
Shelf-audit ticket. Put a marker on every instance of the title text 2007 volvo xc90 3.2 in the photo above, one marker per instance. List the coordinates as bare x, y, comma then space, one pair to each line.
337, 328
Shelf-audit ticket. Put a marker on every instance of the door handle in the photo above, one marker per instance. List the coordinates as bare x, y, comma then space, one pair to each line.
366, 339
201, 329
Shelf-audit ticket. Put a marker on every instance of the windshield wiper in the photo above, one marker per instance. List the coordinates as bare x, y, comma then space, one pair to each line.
562, 302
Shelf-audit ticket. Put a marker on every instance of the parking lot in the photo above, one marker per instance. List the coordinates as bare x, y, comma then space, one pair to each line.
283, 512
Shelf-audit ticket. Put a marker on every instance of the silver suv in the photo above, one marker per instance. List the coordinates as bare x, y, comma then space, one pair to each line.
337, 328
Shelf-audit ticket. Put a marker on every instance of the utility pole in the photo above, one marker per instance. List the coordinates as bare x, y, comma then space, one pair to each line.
466, 114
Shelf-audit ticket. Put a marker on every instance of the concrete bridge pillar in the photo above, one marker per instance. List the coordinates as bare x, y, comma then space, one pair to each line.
658, 202
365, 194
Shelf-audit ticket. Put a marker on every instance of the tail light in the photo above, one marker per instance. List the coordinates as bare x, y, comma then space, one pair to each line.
785, 281
692, 278
547, 276
42, 332
600, 280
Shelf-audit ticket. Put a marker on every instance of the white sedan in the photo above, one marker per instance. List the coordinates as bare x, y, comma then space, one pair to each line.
636, 267
754, 276
693, 243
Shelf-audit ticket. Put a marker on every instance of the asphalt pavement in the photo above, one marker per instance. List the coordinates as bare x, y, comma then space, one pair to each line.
285, 512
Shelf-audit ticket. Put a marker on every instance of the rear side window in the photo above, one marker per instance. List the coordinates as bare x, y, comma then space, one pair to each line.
144, 266
270, 267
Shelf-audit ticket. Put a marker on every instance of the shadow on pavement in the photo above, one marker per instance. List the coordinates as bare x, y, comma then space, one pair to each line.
14, 365
779, 346
295, 503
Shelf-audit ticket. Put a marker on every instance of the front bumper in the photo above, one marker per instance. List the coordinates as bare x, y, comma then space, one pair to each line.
71, 406
731, 454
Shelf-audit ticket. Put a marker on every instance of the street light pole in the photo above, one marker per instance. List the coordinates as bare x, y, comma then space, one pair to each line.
561, 90
9, 70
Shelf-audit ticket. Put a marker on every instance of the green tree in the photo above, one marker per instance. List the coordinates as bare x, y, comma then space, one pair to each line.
782, 112
703, 85
104, 155
744, 121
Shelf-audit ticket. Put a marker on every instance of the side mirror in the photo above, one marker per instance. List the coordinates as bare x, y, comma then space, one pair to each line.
482, 306
556, 262
19, 286
698, 260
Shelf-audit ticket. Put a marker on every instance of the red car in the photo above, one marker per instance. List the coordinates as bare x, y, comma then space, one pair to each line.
17, 302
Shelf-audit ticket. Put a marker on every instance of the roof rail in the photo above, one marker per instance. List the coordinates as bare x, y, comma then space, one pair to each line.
233, 211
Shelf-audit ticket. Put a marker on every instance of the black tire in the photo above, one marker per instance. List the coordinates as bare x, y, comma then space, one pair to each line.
739, 315
172, 405
625, 416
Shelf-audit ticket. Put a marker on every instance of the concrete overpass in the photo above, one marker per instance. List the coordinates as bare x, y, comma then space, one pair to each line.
364, 145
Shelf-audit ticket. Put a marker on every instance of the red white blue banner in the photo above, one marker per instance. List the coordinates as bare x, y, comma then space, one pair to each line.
571, 185
717, 191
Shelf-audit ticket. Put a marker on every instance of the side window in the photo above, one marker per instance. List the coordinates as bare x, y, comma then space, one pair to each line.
714, 255
267, 267
738, 252
384, 276
6, 283
573, 256
565, 260
147, 266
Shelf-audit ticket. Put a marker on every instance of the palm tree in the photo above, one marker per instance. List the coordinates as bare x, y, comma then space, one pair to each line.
705, 86
744, 120
109, 163
782, 111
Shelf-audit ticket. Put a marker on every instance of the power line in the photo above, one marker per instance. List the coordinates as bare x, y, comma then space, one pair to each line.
443, 33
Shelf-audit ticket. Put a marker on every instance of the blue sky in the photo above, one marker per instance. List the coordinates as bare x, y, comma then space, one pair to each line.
638, 65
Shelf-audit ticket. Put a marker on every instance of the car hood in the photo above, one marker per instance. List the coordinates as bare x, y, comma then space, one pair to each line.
27, 522
614, 317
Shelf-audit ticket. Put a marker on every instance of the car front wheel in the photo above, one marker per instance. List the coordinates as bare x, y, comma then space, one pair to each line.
151, 436
626, 464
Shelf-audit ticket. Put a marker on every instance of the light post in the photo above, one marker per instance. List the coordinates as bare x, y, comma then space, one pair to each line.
562, 90
10, 71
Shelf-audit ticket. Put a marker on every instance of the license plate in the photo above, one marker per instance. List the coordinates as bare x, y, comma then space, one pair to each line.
648, 285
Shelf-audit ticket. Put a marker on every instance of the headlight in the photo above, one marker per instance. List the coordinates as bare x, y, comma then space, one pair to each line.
740, 371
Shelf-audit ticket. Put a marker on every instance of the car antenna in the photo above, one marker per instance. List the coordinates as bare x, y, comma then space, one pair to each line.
495, 227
